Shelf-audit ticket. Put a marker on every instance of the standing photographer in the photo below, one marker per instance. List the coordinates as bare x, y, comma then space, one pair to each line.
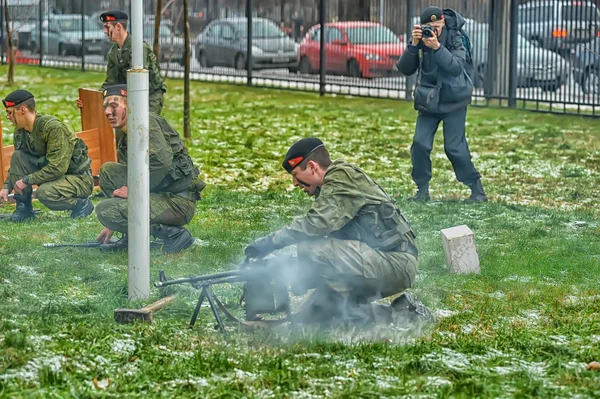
442, 93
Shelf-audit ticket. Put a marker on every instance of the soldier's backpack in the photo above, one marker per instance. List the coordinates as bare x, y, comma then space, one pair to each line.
469, 56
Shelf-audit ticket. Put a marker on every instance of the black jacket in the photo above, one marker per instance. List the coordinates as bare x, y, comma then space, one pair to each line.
444, 66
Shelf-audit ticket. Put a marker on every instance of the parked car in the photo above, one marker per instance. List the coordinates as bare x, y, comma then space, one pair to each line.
559, 25
171, 45
586, 67
536, 66
54, 41
95, 41
353, 48
224, 43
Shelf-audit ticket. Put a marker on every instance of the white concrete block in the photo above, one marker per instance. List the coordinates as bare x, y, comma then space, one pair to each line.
460, 249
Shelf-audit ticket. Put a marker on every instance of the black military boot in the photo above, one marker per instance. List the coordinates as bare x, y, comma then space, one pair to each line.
477, 192
175, 238
422, 193
83, 207
24, 209
409, 309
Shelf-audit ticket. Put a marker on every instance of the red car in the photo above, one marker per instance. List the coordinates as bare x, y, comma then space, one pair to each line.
353, 48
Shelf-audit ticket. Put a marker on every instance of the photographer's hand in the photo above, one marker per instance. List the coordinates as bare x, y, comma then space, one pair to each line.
417, 34
432, 42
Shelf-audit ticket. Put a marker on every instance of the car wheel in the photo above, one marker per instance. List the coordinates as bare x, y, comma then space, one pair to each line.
353, 69
202, 60
304, 66
591, 82
239, 62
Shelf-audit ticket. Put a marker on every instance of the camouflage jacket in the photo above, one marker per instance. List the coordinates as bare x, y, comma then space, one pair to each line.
60, 152
119, 61
350, 206
171, 168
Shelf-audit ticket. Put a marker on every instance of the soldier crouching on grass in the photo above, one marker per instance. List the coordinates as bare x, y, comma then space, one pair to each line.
47, 154
174, 183
354, 244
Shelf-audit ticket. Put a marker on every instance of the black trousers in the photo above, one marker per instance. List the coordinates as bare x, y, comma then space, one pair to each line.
455, 146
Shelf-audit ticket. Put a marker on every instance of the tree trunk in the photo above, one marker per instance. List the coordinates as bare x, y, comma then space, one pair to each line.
156, 44
186, 74
496, 76
11, 48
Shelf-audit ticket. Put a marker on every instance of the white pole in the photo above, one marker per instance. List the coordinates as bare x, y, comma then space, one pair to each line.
138, 179
381, 7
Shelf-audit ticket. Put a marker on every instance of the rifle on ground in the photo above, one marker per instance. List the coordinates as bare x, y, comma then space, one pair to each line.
112, 245
263, 292
10, 216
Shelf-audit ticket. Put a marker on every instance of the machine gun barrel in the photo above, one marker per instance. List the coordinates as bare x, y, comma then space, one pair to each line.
89, 244
208, 277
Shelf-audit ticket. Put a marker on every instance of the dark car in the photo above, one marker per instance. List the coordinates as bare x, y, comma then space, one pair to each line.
586, 67
224, 43
559, 25
95, 41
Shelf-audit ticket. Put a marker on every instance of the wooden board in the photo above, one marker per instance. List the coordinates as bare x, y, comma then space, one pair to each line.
92, 117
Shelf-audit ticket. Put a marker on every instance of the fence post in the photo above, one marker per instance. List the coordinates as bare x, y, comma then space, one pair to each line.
249, 48
410, 80
513, 54
322, 19
2, 33
83, 36
41, 10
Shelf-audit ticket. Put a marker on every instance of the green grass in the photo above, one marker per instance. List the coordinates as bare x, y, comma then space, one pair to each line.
527, 326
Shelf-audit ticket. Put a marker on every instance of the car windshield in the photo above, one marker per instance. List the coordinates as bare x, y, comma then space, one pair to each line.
579, 12
74, 24
260, 29
371, 35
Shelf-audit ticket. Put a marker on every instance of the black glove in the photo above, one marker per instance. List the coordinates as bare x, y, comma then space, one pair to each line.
261, 247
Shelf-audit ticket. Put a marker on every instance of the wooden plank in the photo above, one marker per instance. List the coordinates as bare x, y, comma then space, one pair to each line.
92, 140
92, 116
6, 156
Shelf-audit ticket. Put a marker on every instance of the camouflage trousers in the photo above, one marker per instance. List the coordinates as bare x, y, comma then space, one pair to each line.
156, 102
347, 276
58, 195
165, 208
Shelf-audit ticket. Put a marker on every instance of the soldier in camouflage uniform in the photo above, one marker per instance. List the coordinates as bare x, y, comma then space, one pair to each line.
47, 154
354, 245
119, 59
174, 183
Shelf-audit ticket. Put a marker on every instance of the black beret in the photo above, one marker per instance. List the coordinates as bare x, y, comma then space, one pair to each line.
431, 14
16, 97
116, 90
113, 16
299, 151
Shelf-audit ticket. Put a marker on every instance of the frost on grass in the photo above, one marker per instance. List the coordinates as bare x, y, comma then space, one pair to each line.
123, 346
30, 372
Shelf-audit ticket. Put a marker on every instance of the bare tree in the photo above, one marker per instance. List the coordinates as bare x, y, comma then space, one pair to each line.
186, 74
11, 48
156, 44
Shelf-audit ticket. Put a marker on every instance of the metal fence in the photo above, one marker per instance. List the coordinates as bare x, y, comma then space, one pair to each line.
538, 55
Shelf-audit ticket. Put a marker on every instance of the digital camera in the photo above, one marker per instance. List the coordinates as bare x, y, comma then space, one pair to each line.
428, 31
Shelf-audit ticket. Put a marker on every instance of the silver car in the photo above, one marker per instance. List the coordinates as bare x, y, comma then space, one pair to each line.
536, 66
224, 43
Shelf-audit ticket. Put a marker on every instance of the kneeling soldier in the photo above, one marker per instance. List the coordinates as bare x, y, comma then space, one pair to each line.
174, 183
354, 244
47, 154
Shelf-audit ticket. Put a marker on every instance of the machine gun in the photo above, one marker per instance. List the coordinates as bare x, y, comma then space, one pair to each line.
264, 292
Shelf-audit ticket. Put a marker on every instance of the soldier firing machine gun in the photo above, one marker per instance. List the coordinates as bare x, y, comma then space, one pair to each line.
263, 292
